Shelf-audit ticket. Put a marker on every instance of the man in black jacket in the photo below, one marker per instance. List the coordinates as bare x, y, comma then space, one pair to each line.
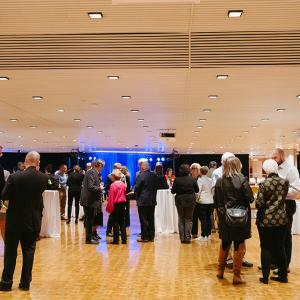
90, 198
145, 190
23, 190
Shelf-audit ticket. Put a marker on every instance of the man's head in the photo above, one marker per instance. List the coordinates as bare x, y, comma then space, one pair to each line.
213, 165
63, 168
225, 156
145, 166
20, 166
98, 165
278, 155
32, 159
140, 161
117, 166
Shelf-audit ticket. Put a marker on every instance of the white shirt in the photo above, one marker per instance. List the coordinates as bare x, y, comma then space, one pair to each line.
205, 190
217, 173
290, 172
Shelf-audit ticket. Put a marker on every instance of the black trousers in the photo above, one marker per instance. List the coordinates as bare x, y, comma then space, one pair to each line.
28, 243
109, 226
118, 220
196, 217
89, 216
288, 243
146, 214
272, 244
71, 196
127, 212
205, 213
185, 220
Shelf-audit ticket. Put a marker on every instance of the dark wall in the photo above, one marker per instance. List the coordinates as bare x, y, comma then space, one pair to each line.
204, 159
9, 160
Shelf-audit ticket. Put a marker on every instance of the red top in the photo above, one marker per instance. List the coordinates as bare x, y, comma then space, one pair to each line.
117, 194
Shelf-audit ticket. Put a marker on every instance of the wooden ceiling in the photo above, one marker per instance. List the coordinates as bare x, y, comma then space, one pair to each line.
167, 55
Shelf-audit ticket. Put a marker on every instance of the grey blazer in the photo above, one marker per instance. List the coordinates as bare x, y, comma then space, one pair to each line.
91, 191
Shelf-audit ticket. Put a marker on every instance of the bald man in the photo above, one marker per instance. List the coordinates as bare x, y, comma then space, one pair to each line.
23, 190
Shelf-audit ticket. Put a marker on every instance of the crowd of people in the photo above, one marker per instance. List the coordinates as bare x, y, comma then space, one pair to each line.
199, 191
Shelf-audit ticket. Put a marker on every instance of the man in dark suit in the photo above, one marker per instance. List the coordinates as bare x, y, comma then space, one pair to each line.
145, 190
23, 190
90, 198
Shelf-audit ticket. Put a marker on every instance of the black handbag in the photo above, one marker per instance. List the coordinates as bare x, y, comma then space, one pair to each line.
236, 217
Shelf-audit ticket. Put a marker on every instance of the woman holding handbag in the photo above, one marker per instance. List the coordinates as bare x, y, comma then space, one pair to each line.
232, 198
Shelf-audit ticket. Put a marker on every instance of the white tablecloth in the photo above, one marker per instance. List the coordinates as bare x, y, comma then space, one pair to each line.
51, 215
81, 211
166, 217
296, 220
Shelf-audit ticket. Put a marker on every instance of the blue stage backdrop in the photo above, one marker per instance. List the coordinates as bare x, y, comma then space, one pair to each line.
130, 160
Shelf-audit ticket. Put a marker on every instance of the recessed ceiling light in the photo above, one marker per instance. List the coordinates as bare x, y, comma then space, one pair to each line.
280, 109
298, 96
254, 126
49, 131
33, 126
246, 131
126, 97
13, 120
213, 97
202, 120
265, 119
222, 77
207, 110
63, 136
20, 145
95, 15
145, 126
35, 140
100, 131
1, 132
200, 126
134, 110
77, 120
235, 13
2, 78
38, 98
113, 77
61, 110
89, 126
196, 131
74, 140
141, 120
19, 136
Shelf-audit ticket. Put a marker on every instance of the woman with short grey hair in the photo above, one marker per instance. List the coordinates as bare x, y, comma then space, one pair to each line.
271, 222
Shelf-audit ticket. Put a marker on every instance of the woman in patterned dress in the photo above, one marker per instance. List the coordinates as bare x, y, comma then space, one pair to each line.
271, 222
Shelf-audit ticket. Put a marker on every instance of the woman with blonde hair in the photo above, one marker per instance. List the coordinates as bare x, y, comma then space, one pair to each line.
232, 199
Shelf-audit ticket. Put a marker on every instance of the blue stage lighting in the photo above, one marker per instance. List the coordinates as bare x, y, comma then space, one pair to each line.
150, 159
162, 159
90, 158
158, 159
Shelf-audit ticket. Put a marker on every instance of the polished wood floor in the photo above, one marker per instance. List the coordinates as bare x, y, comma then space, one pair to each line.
66, 268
